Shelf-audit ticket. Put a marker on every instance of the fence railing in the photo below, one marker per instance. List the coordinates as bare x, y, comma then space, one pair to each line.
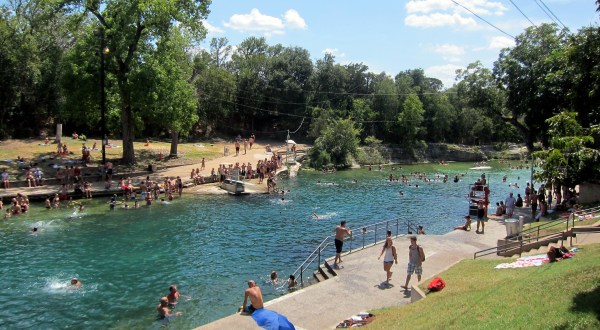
533, 234
361, 238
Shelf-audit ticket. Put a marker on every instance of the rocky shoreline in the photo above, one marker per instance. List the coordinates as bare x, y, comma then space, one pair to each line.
435, 152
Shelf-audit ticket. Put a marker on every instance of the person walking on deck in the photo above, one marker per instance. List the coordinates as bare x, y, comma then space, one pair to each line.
340, 232
416, 256
390, 256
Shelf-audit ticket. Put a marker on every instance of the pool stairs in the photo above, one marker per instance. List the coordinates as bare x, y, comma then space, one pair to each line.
324, 272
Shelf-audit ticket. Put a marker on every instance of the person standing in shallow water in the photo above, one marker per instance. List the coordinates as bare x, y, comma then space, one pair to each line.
340, 232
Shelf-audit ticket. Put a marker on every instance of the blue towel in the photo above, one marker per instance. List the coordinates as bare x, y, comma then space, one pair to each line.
271, 320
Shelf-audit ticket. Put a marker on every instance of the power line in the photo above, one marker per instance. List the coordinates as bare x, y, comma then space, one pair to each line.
483, 19
552, 13
522, 13
273, 112
545, 12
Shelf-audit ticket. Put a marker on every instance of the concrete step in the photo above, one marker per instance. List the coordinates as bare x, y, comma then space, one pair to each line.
318, 276
330, 269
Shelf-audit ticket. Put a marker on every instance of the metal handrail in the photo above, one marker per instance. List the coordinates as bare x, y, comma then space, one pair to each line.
512, 245
520, 239
361, 236
555, 222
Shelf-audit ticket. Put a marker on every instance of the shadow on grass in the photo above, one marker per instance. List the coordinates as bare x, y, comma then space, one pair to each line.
584, 302
587, 302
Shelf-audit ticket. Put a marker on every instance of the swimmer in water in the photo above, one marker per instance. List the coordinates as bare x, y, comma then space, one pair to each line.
401, 193
173, 296
75, 282
34, 229
274, 277
314, 215
163, 309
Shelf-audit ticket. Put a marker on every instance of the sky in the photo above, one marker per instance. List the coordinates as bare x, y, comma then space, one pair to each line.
438, 36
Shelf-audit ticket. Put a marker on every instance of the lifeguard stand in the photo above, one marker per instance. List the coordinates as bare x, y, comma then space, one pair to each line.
478, 192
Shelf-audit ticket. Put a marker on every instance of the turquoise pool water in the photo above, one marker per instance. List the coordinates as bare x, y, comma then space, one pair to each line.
207, 245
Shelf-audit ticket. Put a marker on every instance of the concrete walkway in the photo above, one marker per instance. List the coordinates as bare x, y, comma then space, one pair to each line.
360, 284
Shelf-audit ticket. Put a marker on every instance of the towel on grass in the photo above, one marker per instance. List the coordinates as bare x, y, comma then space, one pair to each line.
271, 320
531, 261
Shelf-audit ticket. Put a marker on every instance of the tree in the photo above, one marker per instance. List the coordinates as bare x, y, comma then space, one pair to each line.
250, 65
571, 158
220, 51
329, 82
31, 48
386, 105
528, 74
410, 119
216, 91
131, 28
338, 143
166, 92
582, 75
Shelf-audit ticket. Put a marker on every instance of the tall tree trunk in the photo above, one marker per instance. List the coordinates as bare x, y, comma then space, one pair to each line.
174, 143
127, 121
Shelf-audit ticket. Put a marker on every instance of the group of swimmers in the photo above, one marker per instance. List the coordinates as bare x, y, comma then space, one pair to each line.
168, 303
18, 205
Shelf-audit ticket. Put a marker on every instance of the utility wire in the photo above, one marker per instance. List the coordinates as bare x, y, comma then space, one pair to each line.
273, 112
552, 13
483, 19
545, 12
522, 13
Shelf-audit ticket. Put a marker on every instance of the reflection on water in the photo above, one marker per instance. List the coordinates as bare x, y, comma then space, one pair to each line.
208, 245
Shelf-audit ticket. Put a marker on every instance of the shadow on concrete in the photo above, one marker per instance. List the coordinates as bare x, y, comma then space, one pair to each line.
406, 293
385, 285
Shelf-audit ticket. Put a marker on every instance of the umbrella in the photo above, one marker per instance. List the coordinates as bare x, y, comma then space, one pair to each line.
290, 142
271, 320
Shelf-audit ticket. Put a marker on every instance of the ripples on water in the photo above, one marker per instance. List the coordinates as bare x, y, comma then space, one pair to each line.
207, 245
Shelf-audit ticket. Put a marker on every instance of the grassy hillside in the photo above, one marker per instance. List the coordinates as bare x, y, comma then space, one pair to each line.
561, 295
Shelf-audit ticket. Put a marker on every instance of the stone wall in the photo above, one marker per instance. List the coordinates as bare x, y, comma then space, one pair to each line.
435, 152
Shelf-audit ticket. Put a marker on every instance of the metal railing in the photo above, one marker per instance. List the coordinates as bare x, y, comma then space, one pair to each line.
568, 220
504, 248
526, 237
363, 237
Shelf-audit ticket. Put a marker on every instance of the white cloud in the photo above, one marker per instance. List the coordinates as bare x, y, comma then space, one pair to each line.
255, 21
446, 73
438, 19
211, 28
500, 42
435, 13
293, 19
449, 52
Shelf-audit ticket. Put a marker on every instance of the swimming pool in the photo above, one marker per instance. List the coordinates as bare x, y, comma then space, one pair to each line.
207, 245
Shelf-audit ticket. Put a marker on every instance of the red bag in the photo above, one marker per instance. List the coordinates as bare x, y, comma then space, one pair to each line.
437, 284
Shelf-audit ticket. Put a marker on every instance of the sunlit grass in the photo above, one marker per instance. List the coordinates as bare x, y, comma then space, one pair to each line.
34, 150
562, 295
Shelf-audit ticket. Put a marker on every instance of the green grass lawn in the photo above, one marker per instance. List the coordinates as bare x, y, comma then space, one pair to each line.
561, 295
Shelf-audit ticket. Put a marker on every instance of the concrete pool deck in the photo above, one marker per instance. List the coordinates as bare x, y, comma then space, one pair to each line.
360, 284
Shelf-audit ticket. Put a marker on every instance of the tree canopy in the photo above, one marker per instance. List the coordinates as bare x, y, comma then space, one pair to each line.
160, 83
